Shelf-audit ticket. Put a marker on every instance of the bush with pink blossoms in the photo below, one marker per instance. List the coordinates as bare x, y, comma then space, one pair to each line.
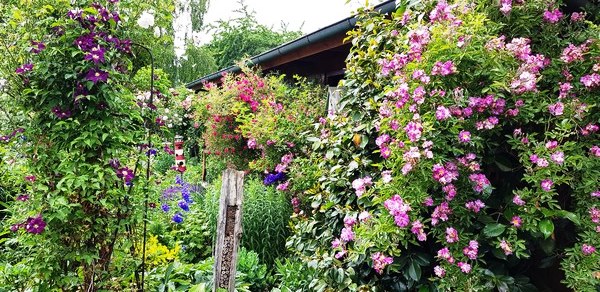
477, 125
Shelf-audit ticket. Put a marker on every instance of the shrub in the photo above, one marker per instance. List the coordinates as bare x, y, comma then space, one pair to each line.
465, 155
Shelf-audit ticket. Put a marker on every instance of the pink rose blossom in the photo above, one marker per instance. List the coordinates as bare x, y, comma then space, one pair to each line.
505, 246
516, 221
518, 201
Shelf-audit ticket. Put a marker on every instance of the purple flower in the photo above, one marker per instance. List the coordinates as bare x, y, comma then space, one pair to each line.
480, 182
75, 14
177, 218
85, 42
471, 250
23, 198
558, 157
37, 47
443, 68
360, 185
547, 185
126, 174
505, 246
590, 81
96, 55
114, 163
35, 225
165, 207
24, 69
96, 75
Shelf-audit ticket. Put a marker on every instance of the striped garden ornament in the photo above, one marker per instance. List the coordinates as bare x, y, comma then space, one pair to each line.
179, 157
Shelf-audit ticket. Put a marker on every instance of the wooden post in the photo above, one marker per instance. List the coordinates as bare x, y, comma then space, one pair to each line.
229, 230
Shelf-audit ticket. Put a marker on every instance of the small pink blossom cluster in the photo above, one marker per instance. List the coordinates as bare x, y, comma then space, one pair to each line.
360, 185
417, 40
380, 261
442, 12
546, 185
469, 162
587, 249
382, 142
445, 254
443, 68
564, 89
480, 182
590, 129
552, 16
446, 173
595, 151
556, 109
471, 250
516, 221
595, 215
285, 162
440, 212
574, 53
401, 94
442, 113
417, 228
413, 130
439, 271
464, 267
487, 124
399, 210
451, 235
475, 206
506, 247
395, 65
590, 81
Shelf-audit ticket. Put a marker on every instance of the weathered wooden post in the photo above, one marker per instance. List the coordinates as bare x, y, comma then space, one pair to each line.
229, 230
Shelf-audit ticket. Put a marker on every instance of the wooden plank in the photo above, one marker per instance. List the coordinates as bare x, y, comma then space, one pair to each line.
229, 229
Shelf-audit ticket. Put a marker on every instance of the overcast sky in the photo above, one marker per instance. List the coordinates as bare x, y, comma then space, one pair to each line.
307, 15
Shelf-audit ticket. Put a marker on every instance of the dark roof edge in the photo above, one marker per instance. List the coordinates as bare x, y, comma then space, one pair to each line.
313, 37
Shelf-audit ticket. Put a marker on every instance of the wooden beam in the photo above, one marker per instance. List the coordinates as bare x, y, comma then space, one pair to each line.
229, 230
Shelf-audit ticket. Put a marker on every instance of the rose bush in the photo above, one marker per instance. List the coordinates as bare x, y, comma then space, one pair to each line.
465, 157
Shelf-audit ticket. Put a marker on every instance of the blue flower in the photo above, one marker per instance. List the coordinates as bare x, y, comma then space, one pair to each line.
165, 207
273, 178
177, 218
184, 205
179, 180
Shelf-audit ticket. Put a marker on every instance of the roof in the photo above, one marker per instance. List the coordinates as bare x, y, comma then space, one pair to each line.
321, 40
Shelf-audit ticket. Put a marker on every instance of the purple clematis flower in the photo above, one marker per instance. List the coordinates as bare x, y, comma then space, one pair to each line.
96, 55
24, 69
35, 225
37, 47
96, 75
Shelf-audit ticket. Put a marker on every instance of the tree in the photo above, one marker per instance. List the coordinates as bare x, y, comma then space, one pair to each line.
244, 36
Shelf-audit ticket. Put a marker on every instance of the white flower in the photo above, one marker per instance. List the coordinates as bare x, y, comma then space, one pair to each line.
146, 20
157, 33
2, 83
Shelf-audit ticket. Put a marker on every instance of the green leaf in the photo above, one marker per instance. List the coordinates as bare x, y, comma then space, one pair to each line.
414, 271
493, 230
546, 227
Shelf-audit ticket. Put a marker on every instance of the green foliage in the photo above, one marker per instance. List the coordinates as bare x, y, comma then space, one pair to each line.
244, 37
293, 275
265, 220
